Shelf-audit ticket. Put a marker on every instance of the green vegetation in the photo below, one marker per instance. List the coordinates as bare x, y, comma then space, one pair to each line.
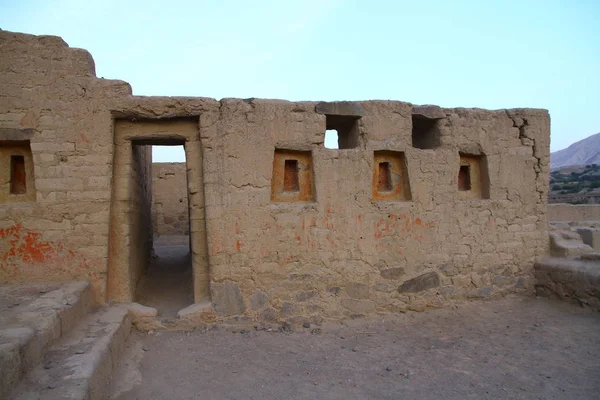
575, 184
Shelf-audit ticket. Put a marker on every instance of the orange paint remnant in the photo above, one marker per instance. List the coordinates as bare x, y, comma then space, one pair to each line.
82, 139
25, 255
238, 245
393, 225
298, 240
264, 251
216, 245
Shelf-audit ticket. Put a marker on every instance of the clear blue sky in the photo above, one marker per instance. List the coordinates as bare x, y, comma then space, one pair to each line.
489, 54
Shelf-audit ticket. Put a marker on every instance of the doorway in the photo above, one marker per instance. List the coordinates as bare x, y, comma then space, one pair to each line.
158, 251
167, 283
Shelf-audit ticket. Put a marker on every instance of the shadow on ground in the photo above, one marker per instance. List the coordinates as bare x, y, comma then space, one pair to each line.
167, 284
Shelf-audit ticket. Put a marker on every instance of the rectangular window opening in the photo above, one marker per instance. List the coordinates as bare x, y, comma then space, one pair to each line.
425, 133
18, 177
464, 178
344, 129
290, 176
385, 177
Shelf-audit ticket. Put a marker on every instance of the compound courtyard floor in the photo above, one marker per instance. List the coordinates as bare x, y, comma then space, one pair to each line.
513, 348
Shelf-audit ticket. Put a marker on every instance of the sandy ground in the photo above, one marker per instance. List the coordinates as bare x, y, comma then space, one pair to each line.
167, 285
514, 348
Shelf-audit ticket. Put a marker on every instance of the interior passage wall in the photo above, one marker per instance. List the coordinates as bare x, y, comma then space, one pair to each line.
140, 211
573, 212
169, 199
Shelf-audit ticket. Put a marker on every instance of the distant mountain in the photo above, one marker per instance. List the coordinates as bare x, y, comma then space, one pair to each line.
584, 152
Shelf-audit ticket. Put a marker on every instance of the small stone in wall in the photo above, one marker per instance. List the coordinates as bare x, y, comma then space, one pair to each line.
306, 295
420, 283
287, 308
449, 269
481, 293
357, 290
258, 300
335, 290
268, 315
384, 287
392, 273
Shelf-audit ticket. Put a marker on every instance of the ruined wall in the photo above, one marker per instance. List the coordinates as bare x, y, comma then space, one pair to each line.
344, 252
169, 199
52, 101
573, 213
420, 206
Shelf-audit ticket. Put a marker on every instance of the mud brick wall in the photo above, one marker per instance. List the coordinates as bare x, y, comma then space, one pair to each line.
420, 207
573, 212
169, 199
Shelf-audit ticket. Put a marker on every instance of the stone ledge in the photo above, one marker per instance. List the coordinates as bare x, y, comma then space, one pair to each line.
571, 280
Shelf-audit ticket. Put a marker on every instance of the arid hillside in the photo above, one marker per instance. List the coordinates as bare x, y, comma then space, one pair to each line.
584, 152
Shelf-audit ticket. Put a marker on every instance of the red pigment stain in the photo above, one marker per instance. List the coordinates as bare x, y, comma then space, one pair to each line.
21, 249
394, 224
82, 139
238, 245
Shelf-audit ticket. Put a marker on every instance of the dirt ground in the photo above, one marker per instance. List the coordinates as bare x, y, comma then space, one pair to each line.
167, 284
514, 348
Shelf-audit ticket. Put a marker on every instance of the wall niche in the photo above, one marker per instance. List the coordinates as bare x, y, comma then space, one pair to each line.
16, 172
473, 177
293, 177
390, 176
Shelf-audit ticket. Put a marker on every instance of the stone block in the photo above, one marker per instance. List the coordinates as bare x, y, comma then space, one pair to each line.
590, 236
303, 296
420, 283
392, 273
343, 108
258, 300
567, 244
357, 290
227, 298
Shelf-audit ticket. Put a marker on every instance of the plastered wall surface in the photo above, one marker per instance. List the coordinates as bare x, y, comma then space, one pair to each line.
573, 212
169, 201
342, 252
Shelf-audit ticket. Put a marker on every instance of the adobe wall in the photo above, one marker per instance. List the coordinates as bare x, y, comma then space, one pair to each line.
393, 222
169, 199
573, 212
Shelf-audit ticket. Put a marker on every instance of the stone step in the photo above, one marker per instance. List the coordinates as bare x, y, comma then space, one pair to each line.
566, 243
573, 280
80, 365
30, 326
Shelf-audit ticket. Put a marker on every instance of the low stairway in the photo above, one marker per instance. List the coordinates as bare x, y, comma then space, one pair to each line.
58, 346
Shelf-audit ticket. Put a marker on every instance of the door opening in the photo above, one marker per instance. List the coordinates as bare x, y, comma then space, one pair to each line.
167, 283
